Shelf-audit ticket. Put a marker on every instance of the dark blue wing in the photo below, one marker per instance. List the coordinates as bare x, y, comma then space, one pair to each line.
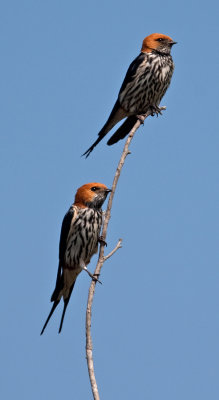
132, 70
66, 223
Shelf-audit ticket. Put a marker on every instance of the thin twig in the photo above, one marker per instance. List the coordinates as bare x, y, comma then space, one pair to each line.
118, 246
102, 259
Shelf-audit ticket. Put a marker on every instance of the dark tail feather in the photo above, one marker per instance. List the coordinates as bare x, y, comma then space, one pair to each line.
55, 295
116, 115
123, 130
59, 285
66, 301
106, 128
50, 314
88, 151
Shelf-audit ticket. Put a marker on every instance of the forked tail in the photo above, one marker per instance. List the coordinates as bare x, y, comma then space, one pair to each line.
123, 130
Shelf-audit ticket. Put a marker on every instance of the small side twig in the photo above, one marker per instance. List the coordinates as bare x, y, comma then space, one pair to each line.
102, 258
118, 246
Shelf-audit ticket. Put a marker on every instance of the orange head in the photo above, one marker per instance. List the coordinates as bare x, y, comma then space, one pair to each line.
91, 195
157, 42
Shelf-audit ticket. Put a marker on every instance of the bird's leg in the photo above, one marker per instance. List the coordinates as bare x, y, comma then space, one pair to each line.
91, 275
102, 241
152, 110
156, 110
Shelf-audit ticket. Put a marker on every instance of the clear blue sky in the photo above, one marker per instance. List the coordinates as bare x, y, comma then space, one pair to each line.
155, 318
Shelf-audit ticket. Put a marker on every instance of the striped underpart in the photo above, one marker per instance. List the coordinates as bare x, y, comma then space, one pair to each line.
149, 84
82, 240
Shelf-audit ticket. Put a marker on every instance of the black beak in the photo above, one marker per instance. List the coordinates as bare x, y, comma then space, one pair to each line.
172, 42
108, 190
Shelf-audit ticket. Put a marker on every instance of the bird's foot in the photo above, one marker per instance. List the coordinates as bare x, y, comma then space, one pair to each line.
102, 241
91, 275
156, 110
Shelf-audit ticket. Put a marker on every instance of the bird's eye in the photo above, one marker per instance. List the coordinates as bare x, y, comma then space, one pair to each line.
94, 188
160, 40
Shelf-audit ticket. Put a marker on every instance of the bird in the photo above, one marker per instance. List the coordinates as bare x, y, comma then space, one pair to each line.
145, 83
80, 234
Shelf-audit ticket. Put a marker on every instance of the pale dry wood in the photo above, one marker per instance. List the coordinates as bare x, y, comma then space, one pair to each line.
118, 246
102, 259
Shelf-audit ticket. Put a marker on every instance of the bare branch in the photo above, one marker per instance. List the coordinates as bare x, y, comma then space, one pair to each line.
102, 259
